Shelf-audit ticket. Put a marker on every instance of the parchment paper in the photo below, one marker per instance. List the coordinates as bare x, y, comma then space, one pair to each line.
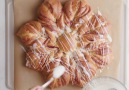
26, 10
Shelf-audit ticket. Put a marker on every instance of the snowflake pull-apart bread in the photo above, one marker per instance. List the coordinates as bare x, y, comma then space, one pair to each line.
68, 34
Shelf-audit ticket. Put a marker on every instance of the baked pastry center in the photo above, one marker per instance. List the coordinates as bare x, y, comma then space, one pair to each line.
67, 42
70, 35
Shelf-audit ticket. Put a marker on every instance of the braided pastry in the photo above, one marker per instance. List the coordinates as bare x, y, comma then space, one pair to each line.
70, 35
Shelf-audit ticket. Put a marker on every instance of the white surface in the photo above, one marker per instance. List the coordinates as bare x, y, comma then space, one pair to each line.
2, 45
6, 79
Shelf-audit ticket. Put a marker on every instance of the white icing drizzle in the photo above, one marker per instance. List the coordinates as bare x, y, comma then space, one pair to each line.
83, 30
85, 71
45, 60
101, 36
40, 43
81, 21
43, 30
82, 43
79, 63
55, 34
82, 50
33, 48
43, 33
30, 59
101, 24
67, 69
69, 54
51, 59
90, 23
68, 29
77, 24
67, 39
99, 13
63, 45
109, 38
38, 33
47, 64
28, 63
74, 32
61, 31
23, 48
47, 51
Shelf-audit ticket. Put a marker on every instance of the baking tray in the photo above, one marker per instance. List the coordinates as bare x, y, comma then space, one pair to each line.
9, 79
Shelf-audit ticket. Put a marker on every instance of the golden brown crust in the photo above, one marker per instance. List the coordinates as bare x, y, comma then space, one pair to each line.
30, 32
82, 16
34, 60
71, 8
66, 42
49, 12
